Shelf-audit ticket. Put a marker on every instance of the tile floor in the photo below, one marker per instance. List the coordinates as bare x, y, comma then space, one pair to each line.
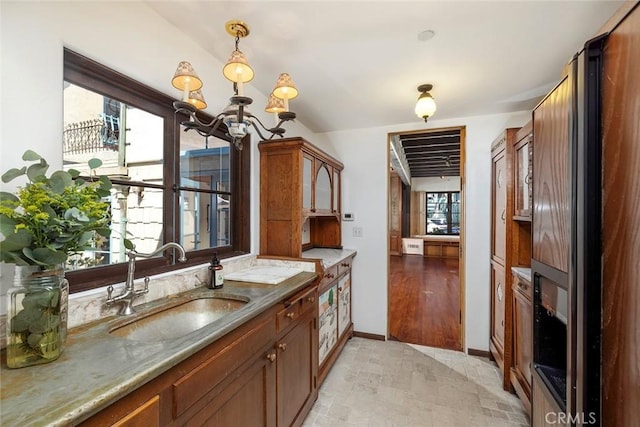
377, 383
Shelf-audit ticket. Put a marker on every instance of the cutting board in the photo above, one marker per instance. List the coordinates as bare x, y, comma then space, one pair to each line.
271, 275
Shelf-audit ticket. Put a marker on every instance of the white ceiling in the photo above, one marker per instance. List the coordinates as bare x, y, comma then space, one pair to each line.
357, 64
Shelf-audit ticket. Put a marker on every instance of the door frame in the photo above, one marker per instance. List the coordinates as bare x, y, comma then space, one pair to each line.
462, 246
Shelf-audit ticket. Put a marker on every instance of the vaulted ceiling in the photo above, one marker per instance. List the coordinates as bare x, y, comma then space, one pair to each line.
358, 64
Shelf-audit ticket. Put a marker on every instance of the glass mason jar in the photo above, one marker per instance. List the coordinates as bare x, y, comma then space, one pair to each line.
36, 316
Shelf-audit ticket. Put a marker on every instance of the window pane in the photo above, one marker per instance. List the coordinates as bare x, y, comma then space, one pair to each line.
437, 209
136, 213
205, 220
455, 213
204, 162
128, 140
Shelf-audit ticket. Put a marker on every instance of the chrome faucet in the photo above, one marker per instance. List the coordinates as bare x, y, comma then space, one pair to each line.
129, 293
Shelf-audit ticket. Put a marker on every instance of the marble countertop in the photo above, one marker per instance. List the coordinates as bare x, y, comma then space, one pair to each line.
523, 272
329, 257
96, 369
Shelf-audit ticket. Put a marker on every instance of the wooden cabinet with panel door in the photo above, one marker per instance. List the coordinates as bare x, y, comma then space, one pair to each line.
521, 377
395, 214
501, 216
299, 198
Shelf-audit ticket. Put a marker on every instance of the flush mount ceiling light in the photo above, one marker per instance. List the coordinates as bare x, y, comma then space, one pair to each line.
236, 115
426, 106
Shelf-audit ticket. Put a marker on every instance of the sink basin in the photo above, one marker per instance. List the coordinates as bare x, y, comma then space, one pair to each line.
178, 320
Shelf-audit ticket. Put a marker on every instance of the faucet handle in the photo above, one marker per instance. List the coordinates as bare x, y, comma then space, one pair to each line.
109, 292
146, 284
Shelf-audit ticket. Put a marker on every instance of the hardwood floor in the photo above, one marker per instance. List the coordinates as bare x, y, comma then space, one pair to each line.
424, 301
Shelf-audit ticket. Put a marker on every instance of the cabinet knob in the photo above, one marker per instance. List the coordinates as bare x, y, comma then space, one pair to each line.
345, 264
340, 289
311, 299
271, 357
282, 346
329, 276
290, 315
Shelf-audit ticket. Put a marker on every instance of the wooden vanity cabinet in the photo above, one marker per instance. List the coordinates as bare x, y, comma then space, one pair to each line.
264, 373
299, 198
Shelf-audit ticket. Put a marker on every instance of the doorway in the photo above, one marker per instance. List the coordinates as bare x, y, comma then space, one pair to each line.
426, 237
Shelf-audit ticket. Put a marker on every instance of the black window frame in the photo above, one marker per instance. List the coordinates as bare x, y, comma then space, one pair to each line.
84, 72
449, 211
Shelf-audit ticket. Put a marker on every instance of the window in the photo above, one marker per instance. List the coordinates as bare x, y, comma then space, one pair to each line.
443, 213
168, 185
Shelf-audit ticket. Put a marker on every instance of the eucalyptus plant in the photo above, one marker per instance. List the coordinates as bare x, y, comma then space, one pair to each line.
52, 217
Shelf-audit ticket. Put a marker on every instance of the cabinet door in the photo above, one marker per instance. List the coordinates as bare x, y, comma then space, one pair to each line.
523, 178
344, 303
307, 176
551, 180
249, 400
497, 309
323, 195
296, 369
395, 214
522, 344
336, 191
328, 319
499, 206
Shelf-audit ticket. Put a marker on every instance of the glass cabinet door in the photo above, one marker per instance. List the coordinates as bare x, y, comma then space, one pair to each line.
336, 191
323, 189
307, 167
523, 179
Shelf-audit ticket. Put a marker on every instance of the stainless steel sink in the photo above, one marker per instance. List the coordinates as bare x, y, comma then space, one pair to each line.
179, 319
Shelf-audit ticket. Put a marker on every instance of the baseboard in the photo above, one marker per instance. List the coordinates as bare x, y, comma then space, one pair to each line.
369, 336
479, 353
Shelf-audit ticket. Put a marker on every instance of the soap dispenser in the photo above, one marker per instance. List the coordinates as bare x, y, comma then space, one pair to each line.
216, 276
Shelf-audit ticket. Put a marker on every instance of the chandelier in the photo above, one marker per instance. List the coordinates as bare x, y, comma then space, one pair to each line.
236, 116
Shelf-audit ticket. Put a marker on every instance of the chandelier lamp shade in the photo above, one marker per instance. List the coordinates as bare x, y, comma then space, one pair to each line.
236, 116
426, 105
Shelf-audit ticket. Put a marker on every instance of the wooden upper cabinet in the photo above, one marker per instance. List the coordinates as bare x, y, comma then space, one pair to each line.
501, 199
550, 232
299, 198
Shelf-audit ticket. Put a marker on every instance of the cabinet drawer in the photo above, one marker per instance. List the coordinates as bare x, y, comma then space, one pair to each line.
288, 315
344, 265
330, 274
308, 301
523, 287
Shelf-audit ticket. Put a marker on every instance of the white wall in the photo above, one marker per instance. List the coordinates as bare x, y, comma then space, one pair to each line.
142, 45
364, 153
432, 184
128, 37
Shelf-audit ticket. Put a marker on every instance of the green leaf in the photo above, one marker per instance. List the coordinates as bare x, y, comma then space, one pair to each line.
95, 163
46, 256
80, 182
128, 244
60, 180
75, 213
16, 241
105, 182
103, 193
13, 173
105, 232
74, 173
8, 196
7, 225
35, 171
31, 156
85, 238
